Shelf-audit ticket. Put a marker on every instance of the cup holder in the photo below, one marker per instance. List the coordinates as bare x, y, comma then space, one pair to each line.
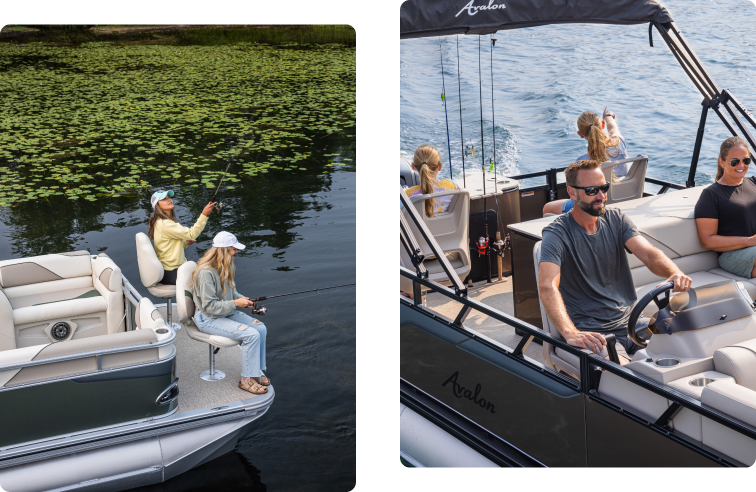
667, 362
161, 331
700, 381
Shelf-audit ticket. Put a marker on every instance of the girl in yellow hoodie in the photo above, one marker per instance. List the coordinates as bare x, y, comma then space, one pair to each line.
170, 237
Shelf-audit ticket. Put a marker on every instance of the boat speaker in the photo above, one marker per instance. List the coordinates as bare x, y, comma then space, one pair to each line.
60, 331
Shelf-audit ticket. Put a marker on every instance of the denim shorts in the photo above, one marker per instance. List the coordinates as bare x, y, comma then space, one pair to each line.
740, 262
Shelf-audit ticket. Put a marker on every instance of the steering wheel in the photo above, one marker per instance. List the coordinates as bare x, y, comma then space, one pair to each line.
641, 335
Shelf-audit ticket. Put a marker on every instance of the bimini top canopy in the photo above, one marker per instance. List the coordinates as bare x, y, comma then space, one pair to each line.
421, 18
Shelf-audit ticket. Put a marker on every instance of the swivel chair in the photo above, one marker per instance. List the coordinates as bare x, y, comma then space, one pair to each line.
151, 273
185, 305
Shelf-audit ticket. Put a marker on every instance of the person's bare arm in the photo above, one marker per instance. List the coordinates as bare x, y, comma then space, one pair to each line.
707, 234
549, 275
658, 262
611, 122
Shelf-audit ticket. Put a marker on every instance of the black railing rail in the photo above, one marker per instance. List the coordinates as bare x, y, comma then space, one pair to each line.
587, 381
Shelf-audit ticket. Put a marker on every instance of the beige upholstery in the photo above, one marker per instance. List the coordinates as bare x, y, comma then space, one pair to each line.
150, 269
739, 361
739, 402
147, 316
36, 269
449, 229
630, 186
184, 299
162, 290
186, 309
65, 309
7, 331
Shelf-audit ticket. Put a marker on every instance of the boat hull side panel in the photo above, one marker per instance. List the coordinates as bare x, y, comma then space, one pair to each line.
517, 403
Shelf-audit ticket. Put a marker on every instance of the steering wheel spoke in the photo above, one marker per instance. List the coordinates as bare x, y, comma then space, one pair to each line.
661, 304
642, 335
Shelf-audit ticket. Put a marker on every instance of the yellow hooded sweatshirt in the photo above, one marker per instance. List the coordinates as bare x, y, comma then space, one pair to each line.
170, 241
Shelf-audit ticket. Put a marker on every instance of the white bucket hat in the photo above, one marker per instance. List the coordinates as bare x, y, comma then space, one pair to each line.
225, 240
159, 195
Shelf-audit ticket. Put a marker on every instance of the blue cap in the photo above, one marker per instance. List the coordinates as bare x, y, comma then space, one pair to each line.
159, 195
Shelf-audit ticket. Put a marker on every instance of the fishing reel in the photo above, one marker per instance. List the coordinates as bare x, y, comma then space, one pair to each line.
502, 245
482, 245
219, 206
260, 310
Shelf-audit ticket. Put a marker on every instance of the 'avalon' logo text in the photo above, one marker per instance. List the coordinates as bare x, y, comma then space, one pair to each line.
460, 391
472, 9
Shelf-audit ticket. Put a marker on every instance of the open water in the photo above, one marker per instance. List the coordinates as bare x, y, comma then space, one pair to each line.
544, 77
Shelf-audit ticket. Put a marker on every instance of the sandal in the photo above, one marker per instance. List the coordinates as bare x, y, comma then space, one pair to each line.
263, 380
254, 388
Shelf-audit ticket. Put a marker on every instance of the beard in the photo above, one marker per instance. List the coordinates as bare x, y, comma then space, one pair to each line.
588, 207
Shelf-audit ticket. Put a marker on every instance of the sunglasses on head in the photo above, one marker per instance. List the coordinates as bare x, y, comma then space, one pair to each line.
593, 190
735, 162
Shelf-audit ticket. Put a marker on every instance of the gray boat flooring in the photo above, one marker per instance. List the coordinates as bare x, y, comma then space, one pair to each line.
497, 295
191, 359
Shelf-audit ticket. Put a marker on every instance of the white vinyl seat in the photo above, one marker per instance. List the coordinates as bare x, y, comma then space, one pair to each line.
151, 273
59, 297
629, 186
450, 229
186, 309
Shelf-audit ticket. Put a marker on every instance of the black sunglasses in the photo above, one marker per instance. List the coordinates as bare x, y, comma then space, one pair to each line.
593, 190
735, 162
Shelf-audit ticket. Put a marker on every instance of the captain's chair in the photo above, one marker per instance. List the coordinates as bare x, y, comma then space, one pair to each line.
151, 273
450, 230
185, 305
554, 356
629, 186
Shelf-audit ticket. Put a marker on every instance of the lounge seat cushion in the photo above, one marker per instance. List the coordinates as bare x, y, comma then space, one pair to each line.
163, 290
47, 268
739, 361
63, 309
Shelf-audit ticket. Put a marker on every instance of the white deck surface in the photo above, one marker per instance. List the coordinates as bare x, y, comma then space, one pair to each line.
497, 295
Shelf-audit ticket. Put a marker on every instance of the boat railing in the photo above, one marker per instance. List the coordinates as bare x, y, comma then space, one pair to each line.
131, 298
591, 365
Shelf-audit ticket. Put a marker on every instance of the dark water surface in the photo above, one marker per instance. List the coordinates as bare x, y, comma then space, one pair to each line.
299, 228
544, 77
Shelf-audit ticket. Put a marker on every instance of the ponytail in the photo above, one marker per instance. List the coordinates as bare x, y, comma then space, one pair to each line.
426, 161
725, 148
589, 125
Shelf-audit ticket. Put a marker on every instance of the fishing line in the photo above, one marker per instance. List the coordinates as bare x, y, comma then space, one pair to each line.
461, 135
493, 119
301, 292
443, 98
300, 298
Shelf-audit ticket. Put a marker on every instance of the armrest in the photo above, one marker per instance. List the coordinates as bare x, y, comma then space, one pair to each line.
108, 273
732, 399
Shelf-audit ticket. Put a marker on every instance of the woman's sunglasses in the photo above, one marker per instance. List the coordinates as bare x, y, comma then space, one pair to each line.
735, 162
593, 190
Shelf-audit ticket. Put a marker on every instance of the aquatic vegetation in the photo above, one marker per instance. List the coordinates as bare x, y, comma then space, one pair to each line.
105, 120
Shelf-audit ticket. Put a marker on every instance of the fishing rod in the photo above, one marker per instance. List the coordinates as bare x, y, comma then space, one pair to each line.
219, 206
261, 310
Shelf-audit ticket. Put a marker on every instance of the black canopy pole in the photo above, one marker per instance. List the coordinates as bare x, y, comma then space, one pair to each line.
461, 135
697, 147
493, 118
446, 113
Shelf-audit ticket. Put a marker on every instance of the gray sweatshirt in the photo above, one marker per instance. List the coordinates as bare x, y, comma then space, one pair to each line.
208, 295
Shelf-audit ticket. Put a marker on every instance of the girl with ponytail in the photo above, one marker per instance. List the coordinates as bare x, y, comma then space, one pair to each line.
605, 143
427, 162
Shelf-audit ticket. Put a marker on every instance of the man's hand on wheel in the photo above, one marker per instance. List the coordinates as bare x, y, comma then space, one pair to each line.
682, 282
594, 342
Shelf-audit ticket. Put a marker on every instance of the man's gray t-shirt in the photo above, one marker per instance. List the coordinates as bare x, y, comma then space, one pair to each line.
595, 280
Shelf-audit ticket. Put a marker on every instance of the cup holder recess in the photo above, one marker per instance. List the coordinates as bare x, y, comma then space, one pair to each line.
161, 331
667, 362
700, 381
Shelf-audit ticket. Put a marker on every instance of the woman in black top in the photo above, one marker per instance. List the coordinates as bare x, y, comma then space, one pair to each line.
726, 211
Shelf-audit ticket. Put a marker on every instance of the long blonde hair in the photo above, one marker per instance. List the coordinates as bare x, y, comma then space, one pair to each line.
426, 161
222, 261
159, 214
589, 125
725, 148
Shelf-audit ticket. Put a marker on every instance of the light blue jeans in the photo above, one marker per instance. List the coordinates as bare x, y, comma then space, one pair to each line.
239, 326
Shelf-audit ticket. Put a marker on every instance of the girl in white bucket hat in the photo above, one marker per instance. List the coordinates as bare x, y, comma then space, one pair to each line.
170, 237
216, 299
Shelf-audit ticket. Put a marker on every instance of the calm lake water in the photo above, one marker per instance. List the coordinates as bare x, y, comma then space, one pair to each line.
299, 228
544, 77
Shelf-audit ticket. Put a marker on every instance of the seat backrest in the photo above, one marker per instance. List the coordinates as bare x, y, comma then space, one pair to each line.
7, 327
450, 228
184, 299
547, 326
45, 268
147, 316
630, 186
738, 361
150, 269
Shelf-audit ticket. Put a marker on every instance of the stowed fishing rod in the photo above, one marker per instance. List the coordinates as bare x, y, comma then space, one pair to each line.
261, 310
